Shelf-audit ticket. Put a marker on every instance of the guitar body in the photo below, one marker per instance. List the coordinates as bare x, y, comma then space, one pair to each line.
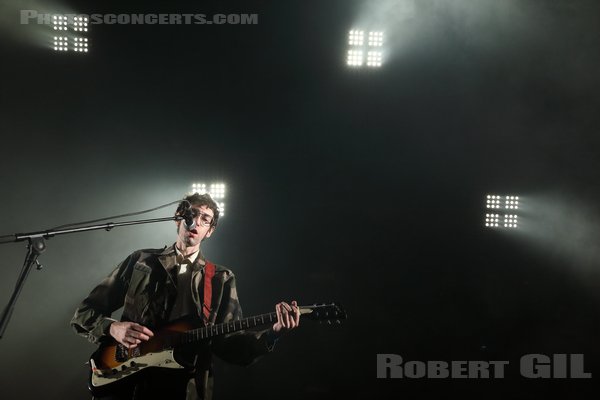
113, 367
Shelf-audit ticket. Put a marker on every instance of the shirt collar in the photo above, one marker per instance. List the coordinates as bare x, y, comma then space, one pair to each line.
181, 259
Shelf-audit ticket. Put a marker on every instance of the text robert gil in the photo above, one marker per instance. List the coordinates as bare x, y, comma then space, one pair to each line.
530, 366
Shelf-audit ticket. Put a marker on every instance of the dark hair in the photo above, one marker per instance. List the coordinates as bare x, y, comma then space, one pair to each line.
197, 200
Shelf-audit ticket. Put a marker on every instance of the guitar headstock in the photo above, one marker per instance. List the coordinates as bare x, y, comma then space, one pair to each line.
329, 313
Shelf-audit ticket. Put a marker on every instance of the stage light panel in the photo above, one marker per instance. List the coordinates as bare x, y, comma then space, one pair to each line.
355, 38
59, 23
375, 39
492, 220
69, 41
510, 220
365, 50
61, 43
511, 202
80, 24
215, 190
492, 201
355, 58
80, 45
506, 202
199, 188
374, 59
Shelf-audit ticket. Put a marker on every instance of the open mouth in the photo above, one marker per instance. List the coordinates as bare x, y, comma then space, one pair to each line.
194, 231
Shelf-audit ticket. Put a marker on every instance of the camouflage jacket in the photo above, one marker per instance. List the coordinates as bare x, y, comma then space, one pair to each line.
143, 286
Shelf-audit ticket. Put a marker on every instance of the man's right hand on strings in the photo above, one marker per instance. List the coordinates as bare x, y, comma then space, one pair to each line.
130, 334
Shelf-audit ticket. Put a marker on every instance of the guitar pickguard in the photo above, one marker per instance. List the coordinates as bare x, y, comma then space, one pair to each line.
161, 359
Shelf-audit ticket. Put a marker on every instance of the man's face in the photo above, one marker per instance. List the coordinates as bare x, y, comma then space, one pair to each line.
202, 230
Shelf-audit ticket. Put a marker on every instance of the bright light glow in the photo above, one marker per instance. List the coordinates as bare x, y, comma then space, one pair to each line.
374, 59
511, 202
358, 49
355, 58
510, 221
221, 206
375, 39
59, 23
215, 190
496, 202
492, 201
492, 220
199, 188
80, 45
80, 24
61, 43
356, 38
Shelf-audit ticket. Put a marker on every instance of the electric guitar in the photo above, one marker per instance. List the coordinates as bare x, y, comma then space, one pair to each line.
114, 365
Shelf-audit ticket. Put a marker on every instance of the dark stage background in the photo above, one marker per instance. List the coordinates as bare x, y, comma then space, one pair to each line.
361, 186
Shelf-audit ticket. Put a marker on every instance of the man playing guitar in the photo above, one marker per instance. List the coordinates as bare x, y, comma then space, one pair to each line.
156, 287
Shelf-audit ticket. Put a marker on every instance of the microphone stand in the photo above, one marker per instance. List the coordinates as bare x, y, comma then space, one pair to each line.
37, 245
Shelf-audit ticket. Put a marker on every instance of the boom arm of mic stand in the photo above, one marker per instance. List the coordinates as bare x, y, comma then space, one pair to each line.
37, 245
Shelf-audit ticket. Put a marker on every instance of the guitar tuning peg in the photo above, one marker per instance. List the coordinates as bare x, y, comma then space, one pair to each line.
337, 321
328, 322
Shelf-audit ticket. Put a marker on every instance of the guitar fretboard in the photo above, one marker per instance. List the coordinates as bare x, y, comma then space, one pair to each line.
323, 312
210, 331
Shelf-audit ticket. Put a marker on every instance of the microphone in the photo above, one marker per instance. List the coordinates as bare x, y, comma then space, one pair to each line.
188, 219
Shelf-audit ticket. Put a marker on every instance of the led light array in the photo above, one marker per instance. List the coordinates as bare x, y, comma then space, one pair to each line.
61, 43
356, 38
80, 24
492, 220
355, 56
375, 39
492, 201
374, 59
497, 203
216, 191
59, 22
199, 188
510, 221
80, 44
510, 202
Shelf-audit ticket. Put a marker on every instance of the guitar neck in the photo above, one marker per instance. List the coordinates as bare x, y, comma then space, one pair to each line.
211, 331
318, 312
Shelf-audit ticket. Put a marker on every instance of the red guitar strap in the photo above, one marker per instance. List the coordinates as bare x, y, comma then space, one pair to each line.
209, 273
